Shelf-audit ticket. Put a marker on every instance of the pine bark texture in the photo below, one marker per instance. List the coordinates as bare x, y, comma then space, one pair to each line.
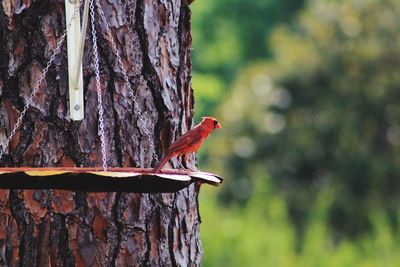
65, 228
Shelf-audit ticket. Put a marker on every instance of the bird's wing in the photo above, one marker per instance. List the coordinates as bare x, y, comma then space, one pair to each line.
186, 140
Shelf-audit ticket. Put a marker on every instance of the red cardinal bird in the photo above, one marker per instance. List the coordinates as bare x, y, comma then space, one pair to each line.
190, 141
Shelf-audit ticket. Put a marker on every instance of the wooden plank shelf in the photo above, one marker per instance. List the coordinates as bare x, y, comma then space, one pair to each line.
96, 180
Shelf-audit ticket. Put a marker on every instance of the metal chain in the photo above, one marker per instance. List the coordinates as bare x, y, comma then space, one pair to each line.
98, 85
38, 83
126, 79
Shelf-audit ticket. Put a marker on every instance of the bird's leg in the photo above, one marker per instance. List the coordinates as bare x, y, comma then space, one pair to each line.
182, 161
187, 157
179, 160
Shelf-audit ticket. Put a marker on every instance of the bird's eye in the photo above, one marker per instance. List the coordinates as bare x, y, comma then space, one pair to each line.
215, 123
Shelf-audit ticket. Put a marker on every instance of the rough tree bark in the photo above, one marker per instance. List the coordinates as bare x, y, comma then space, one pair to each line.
64, 228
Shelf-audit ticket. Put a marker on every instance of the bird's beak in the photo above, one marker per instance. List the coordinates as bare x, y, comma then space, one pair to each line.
218, 126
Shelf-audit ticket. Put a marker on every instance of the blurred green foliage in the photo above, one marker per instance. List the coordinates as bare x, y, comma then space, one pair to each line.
227, 35
260, 234
230, 33
309, 102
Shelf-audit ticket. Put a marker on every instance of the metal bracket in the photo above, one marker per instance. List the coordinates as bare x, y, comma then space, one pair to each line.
75, 46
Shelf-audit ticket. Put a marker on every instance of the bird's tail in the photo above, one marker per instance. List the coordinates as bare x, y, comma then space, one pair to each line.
161, 164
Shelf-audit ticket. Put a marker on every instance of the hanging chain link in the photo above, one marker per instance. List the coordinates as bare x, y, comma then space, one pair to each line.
98, 85
126, 79
38, 83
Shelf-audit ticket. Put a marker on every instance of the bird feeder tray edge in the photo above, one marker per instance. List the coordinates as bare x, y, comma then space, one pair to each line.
94, 179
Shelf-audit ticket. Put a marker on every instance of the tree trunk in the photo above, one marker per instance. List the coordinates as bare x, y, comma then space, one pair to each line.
65, 228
